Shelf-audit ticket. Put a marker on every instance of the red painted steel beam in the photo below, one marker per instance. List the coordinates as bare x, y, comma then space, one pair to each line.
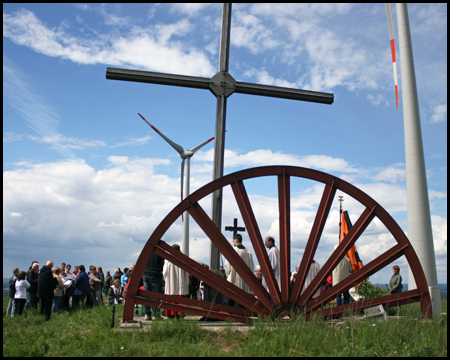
398, 299
254, 234
210, 278
284, 204
367, 270
186, 310
342, 249
215, 235
313, 241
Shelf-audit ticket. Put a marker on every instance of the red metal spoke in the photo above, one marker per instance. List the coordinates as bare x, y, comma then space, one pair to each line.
360, 225
313, 241
403, 298
284, 201
255, 237
210, 278
372, 267
214, 234
220, 312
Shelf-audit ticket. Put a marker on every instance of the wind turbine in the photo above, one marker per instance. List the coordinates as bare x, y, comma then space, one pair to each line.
185, 155
418, 206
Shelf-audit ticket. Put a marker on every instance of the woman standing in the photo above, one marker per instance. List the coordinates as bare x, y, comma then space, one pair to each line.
20, 297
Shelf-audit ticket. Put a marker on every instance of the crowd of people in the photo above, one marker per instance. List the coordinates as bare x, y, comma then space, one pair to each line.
60, 288
55, 289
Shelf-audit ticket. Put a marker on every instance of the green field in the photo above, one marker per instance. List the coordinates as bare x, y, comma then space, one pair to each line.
89, 333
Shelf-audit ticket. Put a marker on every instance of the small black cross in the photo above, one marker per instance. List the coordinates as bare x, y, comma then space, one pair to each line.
234, 228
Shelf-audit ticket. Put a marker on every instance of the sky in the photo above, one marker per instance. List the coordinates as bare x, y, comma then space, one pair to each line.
86, 181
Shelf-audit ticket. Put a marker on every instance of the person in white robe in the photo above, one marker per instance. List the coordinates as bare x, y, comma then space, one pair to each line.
176, 280
313, 271
246, 255
274, 259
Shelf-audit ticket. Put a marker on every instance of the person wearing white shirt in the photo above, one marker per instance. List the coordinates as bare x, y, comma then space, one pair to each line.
274, 259
20, 297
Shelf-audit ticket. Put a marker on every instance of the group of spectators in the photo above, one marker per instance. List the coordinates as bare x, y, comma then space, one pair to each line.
59, 288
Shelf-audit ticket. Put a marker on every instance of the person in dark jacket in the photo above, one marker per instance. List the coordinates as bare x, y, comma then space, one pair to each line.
32, 278
82, 286
12, 291
153, 280
46, 289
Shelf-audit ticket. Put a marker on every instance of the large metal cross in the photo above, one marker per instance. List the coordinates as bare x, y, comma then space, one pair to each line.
222, 85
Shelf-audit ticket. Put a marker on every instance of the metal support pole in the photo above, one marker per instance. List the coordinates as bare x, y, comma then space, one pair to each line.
185, 242
219, 150
418, 207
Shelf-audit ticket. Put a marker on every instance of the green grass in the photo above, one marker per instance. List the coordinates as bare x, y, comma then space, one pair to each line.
88, 333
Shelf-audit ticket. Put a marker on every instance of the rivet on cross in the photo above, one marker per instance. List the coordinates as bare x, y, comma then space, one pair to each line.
221, 85
234, 228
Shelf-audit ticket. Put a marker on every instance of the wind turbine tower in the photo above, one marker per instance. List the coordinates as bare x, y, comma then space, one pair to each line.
185, 155
418, 206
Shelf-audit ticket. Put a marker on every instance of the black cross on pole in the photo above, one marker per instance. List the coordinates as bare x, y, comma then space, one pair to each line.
221, 85
234, 228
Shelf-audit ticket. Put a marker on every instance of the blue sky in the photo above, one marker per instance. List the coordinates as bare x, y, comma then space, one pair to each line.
85, 180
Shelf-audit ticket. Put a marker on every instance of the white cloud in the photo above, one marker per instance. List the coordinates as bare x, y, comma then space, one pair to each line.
82, 215
59, 141
135, 48
439, 114
11, 137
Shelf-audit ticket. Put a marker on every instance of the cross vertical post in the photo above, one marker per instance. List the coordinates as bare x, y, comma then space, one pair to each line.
219, 149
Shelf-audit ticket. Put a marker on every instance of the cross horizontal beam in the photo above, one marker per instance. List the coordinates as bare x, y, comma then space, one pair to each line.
205, 83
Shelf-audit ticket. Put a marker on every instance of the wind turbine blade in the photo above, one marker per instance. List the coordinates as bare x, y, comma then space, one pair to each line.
194, 149
177, 147
391, 36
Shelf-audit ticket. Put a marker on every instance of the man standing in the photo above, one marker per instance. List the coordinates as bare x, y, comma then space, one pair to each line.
153, 280
32, 278
342, 270
232, 275
274, 259
12, 291
46, 289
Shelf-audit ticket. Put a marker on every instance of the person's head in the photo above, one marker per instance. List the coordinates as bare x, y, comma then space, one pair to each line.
76, 269
16, 271
82, 268
56, 271
125, 270
68, 268
35, 266
49, 264
269, 242
396, 269
176, 246
99, 269
237, 239
108, 273
117, 283
22, 275
92, 269
63, 266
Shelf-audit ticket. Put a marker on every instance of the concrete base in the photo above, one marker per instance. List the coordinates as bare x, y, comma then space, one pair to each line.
143, 325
